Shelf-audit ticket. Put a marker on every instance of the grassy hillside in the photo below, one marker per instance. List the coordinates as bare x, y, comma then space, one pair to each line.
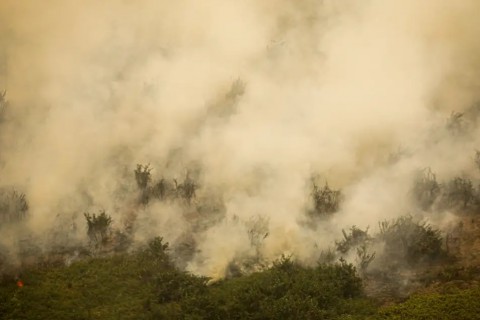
145, 285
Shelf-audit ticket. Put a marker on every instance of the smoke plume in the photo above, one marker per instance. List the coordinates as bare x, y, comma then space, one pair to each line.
251, 99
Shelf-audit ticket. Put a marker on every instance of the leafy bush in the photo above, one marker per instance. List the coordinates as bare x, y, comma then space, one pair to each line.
458, 305
285, 291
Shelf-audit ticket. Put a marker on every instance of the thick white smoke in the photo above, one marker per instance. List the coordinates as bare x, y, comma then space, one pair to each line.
332, 88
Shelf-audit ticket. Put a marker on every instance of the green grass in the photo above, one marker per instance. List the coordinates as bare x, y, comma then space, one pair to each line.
145, 285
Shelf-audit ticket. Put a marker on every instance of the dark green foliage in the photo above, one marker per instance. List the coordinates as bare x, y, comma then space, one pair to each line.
145, 285
117, 287
175, 285
285, 291
98, 227
325, 200
13, 206
458, 305
409, 241
426, 189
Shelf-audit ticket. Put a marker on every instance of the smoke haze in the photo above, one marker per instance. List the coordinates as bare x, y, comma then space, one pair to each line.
253, 98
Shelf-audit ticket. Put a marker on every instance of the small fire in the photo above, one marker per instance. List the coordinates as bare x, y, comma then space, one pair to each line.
19, 283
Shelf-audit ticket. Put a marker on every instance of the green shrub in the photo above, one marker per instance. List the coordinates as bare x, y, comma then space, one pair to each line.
284, 291
458, 305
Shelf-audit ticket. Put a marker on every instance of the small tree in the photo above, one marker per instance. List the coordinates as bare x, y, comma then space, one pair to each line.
325, 200
98, 227
143, 175
459, 193
186, 190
